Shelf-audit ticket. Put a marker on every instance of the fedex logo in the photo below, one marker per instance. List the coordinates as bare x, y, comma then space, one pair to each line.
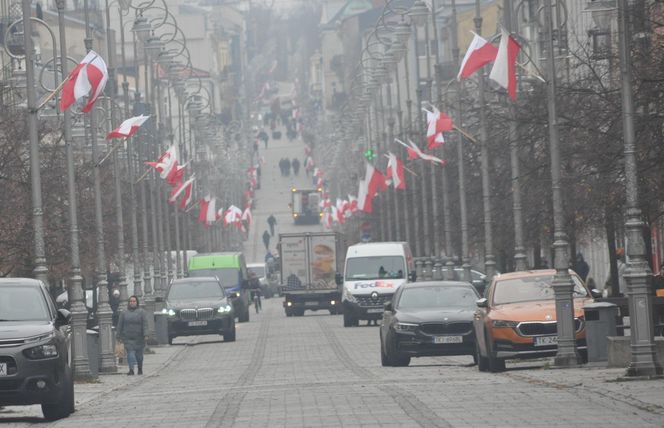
377, 284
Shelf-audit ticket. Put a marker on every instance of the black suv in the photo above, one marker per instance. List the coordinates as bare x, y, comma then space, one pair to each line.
198, 305
34, 350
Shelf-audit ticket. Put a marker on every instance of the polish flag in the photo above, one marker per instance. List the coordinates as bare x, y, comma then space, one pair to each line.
327, 220
309, 163
395, 171
128, 127
211, 212
352, 204
165, 162
339, 212
246, 216
437, 123
415, 152
232, 216
176, 173
373, 182
180, 189
362, 191
87, 79
503, 71
203, 205
479, 53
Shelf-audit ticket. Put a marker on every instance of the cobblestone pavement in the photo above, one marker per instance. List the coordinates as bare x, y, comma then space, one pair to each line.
310, 371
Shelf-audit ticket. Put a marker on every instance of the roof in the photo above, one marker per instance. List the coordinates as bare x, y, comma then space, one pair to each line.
214, 260
527, 273
257, 264
19, 281
439, 284
376, 249
195, 279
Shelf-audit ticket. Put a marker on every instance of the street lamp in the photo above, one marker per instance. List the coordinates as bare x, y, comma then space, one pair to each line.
141, 28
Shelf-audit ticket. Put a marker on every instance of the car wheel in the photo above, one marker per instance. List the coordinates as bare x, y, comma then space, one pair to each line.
349, 321
384, 360
65, 404
170, 339
495, 364
393, 356
482, 363
288, 313
299, 313
229, 336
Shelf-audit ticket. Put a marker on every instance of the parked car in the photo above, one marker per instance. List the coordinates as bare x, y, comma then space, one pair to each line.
517, 319
477, 278
34, 349
197, 306
428, 319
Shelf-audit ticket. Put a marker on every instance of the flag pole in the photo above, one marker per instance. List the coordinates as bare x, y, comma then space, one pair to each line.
465, 134
142, 176
53, 94
113, 149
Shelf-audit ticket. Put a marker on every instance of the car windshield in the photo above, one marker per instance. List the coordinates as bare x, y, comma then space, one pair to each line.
195, 290
258, 270
530, 288
388, 267
229, 277
22, 303
442, 297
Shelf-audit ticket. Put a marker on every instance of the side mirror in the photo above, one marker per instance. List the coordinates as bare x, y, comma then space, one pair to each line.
482, 303
388, 307
412, 276
339, 279
596, 293
63, 318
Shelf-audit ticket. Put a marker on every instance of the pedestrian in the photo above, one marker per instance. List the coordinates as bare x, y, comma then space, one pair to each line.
132, 331
271, 221
281, 167
266, 239
296, 166
287, 166
263, 137
581, 266
255, 146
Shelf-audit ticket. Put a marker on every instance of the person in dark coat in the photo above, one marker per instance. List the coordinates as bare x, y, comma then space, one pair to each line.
581, 266
132, 331
287, 166
271, 221
296, 166
266, 239
263, 137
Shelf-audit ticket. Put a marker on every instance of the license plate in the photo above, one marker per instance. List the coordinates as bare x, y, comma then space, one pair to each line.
197, 323
310, 303
375, 311
546, 340
448, 339
3, 369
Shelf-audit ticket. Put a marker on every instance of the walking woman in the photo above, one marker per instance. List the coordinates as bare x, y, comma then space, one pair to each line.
132, 330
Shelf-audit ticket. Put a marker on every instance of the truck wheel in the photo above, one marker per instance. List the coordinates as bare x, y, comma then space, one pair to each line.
299, 313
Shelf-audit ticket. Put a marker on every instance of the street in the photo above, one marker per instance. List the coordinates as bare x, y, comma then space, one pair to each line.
311, 371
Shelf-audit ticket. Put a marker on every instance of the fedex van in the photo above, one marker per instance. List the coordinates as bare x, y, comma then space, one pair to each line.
372, 274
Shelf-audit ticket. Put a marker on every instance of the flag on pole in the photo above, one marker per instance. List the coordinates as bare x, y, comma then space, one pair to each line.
395, 171
203, 205
479, 53
165, 162
437, 123
128, 127
246, 216
352, 204
233, 215
503, 71
175, 174
180, 189
87, 79
414, 152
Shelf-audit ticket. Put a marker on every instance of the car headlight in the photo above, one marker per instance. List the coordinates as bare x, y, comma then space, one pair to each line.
224, 309
47, 350
348, 296
505, 324
405, 326
168, 311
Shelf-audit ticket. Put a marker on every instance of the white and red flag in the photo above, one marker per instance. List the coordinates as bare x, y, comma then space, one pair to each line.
503, 71
414, 152
87, 79
395, 171
165, 162
175, 174
352, 204
373, 182
246, 216
182, 188
479, 53
233, 215
437, 123
128, 127
203, 205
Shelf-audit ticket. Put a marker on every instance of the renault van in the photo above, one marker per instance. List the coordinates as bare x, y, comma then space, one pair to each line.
372, 274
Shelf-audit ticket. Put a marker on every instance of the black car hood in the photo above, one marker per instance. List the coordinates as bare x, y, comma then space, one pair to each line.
24, 329
435, 315
195, 304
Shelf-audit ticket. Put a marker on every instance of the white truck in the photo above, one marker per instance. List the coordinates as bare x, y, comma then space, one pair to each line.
310, 262
373, 273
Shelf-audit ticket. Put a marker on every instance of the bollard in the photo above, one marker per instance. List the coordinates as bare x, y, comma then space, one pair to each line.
428, 271
438, 271
600, 319
161, 328
419, 269
94, 352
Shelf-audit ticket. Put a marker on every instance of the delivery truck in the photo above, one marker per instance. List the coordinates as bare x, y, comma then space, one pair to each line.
309, 264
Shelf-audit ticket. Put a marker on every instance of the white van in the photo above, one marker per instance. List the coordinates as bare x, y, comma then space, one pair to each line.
372, 273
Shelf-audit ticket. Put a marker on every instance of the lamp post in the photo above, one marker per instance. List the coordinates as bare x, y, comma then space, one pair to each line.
465, 256
489, 259
40, 269
79, 313
563, 286
638, 275
107, 357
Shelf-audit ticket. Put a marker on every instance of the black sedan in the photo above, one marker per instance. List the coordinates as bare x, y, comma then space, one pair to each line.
427, 319
197, 306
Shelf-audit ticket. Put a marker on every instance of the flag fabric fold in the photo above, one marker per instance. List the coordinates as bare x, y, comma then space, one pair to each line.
479, 53
503, 71
395, 171
181, 188
128, 127
87, 79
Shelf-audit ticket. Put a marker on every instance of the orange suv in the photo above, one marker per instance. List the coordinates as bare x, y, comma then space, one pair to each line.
517, 319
